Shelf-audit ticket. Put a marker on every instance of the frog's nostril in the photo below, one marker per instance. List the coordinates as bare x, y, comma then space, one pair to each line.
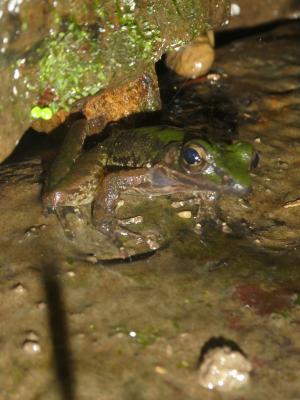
254, 161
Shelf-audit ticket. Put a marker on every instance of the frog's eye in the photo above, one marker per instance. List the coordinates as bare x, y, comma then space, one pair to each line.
193, 157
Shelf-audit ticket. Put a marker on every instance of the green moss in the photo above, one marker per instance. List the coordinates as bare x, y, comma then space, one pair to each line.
71, 66
41, 112
140, 37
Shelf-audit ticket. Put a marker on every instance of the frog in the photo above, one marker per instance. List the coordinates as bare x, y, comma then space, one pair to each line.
148, 161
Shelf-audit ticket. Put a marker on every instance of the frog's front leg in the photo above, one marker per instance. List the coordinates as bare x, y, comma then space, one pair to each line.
106, 201
69, 152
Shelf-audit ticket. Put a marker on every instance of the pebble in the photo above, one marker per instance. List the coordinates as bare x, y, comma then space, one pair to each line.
185, 214
31, 346
160, 370
19, 288
195, 59
224, 369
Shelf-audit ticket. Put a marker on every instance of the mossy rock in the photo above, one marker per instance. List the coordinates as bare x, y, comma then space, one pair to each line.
55, 56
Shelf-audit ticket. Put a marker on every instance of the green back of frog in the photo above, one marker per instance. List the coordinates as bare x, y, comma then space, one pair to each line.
141, 147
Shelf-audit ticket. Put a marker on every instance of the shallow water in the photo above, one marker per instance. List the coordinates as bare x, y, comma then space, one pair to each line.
112, 330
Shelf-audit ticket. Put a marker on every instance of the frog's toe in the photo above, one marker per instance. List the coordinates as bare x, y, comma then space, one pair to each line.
153, 240
66, 217
136, 242
129, 221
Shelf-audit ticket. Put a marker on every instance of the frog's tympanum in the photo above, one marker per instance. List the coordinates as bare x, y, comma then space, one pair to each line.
149, 161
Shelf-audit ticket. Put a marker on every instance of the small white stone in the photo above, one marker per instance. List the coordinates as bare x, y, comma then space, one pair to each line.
16, 73
235, 10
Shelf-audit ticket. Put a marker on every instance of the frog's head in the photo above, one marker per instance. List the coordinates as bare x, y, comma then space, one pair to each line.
211, 166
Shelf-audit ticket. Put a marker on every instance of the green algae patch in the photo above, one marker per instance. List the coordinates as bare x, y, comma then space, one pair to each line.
71, 65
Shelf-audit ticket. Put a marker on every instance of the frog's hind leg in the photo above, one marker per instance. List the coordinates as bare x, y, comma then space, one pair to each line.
76, 189
68, 154
105, 206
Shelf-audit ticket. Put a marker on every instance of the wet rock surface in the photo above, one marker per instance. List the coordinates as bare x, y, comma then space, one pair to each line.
56, 53
245, 13
134, 330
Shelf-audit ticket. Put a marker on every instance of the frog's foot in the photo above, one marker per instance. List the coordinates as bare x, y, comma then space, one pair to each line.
130, 242
66, 216
201, 208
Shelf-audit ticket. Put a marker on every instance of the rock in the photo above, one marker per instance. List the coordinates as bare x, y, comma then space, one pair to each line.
223, 369
247, 13
194, 59
55, 54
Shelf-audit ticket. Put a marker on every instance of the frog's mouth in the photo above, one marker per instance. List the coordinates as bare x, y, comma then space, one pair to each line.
164, 180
